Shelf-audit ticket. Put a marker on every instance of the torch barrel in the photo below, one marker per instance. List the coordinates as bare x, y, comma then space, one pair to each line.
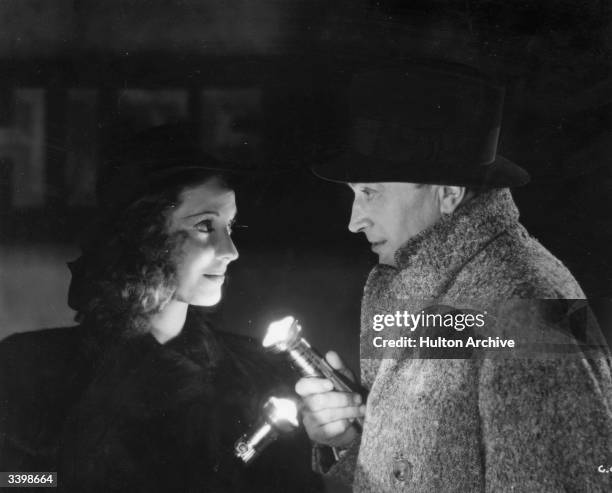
248, 449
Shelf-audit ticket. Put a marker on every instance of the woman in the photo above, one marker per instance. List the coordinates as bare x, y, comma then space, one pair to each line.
141, 396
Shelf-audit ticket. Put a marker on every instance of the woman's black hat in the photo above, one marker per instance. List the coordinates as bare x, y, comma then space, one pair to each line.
434, 123
150, 160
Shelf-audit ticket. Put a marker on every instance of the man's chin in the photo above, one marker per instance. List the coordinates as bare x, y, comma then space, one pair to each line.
386, 259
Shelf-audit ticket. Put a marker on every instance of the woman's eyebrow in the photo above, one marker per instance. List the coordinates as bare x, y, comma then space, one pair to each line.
214, 213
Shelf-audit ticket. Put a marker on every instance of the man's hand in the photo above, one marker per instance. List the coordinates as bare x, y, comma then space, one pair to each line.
327, 414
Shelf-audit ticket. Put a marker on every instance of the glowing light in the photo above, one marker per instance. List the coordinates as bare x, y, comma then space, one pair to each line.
284, 409
279, 331
279, 416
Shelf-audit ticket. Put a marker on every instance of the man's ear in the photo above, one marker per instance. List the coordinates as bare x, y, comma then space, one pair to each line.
449, 198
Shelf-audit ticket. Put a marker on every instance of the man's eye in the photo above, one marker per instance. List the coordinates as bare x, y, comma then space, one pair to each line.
204, 226
368, 192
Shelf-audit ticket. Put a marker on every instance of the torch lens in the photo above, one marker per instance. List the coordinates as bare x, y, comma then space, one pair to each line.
284, 410
279, 331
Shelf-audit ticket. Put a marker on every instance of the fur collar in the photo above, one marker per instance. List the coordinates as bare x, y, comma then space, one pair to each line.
457, 237
432, 258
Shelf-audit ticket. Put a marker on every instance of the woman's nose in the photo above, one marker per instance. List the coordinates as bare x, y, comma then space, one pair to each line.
227, 250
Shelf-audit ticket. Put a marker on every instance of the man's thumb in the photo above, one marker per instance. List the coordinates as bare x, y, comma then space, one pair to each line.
337, 364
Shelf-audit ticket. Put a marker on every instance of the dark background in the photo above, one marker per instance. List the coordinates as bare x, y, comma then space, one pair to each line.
266, 82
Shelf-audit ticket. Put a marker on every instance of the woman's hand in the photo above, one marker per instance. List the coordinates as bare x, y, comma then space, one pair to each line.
328, 414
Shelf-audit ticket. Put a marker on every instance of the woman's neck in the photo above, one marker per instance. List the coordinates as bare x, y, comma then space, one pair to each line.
168, 323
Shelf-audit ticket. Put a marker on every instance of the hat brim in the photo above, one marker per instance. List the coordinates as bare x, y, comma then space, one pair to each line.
354, 167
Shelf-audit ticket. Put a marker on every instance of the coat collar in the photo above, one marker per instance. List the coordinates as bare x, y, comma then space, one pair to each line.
455, 238
429, 262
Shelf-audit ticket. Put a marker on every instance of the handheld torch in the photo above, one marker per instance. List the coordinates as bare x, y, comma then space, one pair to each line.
279, 416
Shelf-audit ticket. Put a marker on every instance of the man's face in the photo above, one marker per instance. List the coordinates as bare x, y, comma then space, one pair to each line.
389, 214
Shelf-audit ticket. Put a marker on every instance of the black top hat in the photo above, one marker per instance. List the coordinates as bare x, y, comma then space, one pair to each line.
425, 123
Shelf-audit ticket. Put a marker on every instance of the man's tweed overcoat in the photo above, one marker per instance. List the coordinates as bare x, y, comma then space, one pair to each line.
541, 424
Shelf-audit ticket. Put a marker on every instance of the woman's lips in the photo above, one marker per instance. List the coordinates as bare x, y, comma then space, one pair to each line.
215, 277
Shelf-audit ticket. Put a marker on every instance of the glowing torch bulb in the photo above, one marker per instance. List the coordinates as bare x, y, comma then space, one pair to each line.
283, 410
281, 331
279, 416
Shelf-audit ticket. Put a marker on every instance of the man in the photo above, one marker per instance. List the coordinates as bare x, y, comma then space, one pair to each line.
432, 198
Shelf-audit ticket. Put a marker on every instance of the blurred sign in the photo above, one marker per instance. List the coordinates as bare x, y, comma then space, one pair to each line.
23, 146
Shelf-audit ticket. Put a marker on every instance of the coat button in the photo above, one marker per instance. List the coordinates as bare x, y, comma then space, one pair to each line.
402, 470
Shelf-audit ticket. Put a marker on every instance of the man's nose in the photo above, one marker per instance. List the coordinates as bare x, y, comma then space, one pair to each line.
358, 221
227, 250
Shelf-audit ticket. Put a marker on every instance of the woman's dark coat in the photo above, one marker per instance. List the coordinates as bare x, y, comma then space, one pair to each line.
139, 416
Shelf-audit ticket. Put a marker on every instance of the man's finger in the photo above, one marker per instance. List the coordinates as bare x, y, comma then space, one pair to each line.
335, 428
334, 360
337, 364
308, 386
331, 400
326, 416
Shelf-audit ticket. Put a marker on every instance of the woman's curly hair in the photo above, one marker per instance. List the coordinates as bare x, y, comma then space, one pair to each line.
128, 268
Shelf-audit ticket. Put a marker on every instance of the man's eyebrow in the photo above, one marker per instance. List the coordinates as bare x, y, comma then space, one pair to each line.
214, 213
368, 185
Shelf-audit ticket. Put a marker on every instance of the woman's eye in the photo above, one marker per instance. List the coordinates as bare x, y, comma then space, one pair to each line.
204, 226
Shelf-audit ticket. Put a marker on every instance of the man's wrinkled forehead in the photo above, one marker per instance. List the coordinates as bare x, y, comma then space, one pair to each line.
357, 185
381, 185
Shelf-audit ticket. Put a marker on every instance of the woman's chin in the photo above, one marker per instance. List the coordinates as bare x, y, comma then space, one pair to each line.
206, 299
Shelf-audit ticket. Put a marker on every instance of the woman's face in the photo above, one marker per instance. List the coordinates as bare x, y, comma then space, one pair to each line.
204, 216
